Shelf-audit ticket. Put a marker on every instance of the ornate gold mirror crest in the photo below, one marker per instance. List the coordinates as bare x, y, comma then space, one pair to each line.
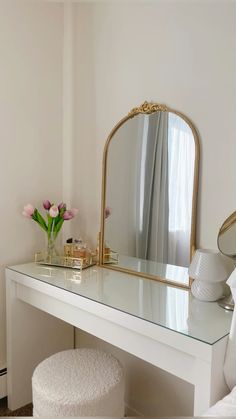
149, 195
147, 108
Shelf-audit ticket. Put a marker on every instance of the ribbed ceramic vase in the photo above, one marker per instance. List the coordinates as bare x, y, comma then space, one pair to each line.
209, 269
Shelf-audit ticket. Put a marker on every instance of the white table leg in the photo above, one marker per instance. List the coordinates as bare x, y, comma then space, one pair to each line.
210, 385
32, 336
202, 393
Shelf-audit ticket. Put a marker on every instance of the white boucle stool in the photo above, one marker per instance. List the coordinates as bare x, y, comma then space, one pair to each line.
78, 382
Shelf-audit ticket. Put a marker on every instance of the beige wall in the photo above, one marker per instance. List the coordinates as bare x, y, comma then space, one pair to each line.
181, 53
30, 127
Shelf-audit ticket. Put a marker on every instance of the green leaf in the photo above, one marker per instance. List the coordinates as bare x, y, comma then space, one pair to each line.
56, 220
39, 219
62, 211
58, 226
50, 219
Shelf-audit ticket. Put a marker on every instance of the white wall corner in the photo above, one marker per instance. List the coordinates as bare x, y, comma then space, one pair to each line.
68, 104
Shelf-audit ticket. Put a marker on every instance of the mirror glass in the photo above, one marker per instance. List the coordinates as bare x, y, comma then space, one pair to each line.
227, 236
149, 196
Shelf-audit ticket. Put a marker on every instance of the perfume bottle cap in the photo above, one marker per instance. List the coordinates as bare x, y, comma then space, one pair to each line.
78, 241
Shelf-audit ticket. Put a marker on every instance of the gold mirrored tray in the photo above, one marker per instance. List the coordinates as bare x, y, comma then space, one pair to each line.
64, 261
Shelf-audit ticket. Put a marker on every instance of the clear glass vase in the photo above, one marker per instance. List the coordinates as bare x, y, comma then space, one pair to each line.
51, 251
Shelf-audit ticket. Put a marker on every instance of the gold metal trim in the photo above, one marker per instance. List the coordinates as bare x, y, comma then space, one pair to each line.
148, 108
225, 227
228, 223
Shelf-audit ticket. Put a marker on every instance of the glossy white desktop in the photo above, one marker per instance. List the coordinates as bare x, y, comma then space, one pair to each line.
172, 273
160, 324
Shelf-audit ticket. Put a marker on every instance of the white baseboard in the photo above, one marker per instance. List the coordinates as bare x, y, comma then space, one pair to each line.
3, 385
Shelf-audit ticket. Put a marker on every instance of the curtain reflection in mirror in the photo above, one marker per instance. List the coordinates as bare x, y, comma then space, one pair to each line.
152, 190
165, 168
181, 154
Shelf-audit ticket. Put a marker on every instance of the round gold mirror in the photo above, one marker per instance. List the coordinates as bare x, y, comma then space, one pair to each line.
227, 237
226, 241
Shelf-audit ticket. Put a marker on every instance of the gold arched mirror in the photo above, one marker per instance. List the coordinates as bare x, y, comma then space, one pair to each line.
149, 194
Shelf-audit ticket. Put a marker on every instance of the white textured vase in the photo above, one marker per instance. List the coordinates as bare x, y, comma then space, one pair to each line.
207, 291
209, 269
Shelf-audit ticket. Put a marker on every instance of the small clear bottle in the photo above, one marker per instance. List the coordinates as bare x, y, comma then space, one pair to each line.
80, 250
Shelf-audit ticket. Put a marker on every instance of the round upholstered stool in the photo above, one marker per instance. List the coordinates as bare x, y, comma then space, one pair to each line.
78, 382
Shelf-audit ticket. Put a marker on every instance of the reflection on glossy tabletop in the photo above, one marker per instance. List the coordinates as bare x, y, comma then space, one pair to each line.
172, 273
167, 306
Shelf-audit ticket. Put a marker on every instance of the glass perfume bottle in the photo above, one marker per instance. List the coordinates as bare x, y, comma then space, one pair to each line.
80, 250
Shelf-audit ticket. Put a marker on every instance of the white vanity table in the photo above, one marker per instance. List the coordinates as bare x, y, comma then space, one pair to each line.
160, 324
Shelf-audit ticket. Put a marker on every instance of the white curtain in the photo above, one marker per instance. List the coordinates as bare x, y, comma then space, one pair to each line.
152, 190
163, 204
181, 154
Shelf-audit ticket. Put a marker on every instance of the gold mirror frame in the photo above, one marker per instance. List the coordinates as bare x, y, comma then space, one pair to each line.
149, 108
227, 303
227, 224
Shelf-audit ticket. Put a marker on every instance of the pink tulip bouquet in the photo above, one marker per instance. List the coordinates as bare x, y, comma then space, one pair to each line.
56, 215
